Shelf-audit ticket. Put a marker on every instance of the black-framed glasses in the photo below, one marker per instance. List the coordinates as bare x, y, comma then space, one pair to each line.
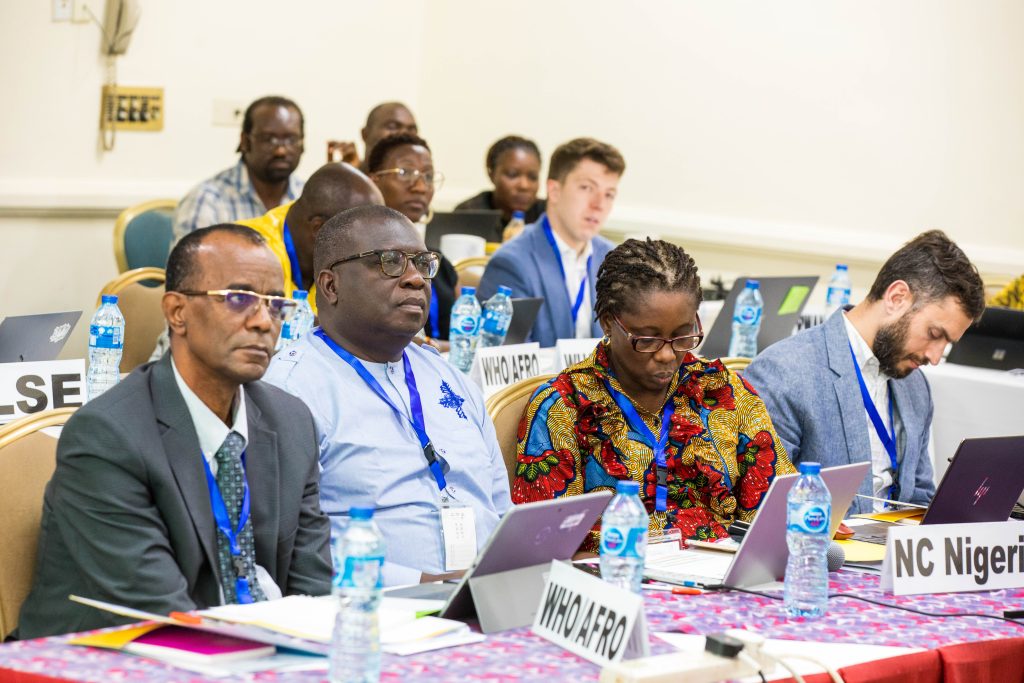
274, 141
687, 342
393, 262
409, 176
244, 302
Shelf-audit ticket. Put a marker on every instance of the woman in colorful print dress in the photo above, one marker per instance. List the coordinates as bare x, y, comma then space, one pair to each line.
642, 393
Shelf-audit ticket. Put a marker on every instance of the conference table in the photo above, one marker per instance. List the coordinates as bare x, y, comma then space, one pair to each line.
960, 649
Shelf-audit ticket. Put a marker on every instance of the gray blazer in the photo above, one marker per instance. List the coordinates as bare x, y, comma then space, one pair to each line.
810, 387
528, 265
127, 516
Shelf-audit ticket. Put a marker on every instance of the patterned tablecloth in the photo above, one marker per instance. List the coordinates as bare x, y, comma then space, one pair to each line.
518, 655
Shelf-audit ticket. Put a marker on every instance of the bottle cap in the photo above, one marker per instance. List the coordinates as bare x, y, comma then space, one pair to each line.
360, 513
519, 214
108, 299
630, 488
468, 290
300, 295
753, 284
810, 468
502, 289
841, 266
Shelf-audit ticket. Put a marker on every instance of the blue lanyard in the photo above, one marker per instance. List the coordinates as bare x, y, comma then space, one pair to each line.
293, 257
561, 267
415, 407
888, 440
435, 326
223, 520
637, 424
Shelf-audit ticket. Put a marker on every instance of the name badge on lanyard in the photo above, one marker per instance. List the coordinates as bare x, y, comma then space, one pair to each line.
888, 439
637, 425
574, 305
220, 515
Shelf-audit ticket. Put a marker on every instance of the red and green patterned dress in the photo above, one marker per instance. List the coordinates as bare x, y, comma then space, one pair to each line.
722, 451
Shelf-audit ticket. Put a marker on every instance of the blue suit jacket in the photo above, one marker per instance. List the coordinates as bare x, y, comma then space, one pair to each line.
810, 387
528, 265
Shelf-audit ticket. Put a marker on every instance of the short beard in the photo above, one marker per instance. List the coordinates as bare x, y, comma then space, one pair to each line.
890, 346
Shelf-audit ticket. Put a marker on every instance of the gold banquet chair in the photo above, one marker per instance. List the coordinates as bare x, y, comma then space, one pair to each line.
143, 315
27, 460
143, 235
506, 409
736, 363
470, 271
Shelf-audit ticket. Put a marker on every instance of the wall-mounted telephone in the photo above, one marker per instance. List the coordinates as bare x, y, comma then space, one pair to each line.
118, 25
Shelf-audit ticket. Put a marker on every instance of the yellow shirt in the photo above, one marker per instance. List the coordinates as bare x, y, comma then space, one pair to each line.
1012, 295
271, 226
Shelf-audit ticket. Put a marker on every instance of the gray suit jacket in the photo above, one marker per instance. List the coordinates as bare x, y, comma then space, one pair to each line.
127, 516
528, 265
810, 387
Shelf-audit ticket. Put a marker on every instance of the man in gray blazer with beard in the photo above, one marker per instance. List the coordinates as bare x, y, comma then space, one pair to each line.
850, 390
145, 507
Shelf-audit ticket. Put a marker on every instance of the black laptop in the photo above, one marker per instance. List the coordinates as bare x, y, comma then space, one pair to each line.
784, 300
37, 337
524, 314
486, 224
996, 342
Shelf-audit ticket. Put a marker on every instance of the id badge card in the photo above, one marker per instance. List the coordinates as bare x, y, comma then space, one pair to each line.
458, 526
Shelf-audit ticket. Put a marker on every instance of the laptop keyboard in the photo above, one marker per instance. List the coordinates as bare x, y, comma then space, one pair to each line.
698, 566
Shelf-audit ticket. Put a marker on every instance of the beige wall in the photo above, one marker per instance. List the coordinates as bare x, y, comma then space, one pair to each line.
766, 137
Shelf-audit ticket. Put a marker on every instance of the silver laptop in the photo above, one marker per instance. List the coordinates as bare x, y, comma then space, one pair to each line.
762, 555
35, 337
524, 314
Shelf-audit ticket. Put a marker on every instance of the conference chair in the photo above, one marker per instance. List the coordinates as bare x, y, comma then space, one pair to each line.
736, 363
506, 409
470, 270
27, 460
143, 316
143, 234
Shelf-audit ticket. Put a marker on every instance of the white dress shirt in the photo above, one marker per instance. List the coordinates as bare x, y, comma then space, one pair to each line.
575, 265
877, 384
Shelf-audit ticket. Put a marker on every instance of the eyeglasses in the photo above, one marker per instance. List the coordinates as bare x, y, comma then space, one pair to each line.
653, 344
274, 141
243, 302
394, 262
409, 176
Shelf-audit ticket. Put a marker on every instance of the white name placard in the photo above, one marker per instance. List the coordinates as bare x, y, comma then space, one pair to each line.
572, 351
953, 558
591, 618
496, 367
27, 388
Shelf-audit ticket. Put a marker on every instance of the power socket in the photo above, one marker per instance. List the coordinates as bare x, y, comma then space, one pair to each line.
80, 13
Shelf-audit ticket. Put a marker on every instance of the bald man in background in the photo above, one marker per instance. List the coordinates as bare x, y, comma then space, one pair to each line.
388, 118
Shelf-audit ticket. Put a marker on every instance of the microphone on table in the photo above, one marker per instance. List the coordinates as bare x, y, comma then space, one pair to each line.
836, 556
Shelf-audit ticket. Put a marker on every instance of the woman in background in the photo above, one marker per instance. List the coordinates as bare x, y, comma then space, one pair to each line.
513, 165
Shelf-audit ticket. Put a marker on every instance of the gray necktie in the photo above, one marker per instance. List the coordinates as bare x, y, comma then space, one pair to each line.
231, 482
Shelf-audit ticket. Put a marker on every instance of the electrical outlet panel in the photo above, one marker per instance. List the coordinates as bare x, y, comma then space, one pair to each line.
140, 109
62, 10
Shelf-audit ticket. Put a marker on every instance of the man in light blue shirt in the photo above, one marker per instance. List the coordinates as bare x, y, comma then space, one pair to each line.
373, 295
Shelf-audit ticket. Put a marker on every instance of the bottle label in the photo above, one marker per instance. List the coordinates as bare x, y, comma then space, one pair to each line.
467, 324
748, 315
810, 518
837, 296
493, 323
623, 541
105, 337
361, 572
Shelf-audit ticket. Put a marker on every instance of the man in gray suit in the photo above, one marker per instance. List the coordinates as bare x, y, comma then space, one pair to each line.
145, 507
557, 257
850, 390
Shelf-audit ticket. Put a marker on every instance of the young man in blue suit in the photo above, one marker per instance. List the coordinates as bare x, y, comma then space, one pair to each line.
850, 390
558, 256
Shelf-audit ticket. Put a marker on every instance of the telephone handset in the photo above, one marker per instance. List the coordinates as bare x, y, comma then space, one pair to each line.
119, 23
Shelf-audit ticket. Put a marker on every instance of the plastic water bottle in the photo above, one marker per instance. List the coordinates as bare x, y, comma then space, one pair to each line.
497, 316
106, 342
838, 293
464, 331
301, 321
514, 227
809, 511
358, 561
746, 321
624, 538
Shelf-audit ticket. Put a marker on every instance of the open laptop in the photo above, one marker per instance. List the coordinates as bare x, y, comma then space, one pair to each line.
981, 484
486, 224
996, 342
35, 337
762, 554
524, 314
784, 300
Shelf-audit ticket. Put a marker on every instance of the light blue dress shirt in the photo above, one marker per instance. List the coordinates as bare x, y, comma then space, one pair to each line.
370, 456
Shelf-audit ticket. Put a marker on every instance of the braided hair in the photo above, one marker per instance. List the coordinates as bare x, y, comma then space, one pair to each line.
507, 143
636, 267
